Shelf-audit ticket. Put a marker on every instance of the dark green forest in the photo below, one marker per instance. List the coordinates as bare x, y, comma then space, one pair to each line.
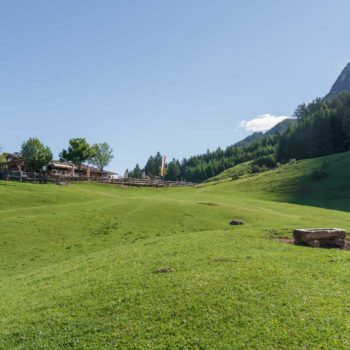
322, 127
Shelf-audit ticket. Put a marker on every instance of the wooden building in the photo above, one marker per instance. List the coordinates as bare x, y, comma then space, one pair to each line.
15, 163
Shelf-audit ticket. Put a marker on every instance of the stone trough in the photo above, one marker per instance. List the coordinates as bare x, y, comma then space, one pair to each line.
320, 237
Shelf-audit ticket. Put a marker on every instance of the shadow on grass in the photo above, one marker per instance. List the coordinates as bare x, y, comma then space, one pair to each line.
332, 192
320, 196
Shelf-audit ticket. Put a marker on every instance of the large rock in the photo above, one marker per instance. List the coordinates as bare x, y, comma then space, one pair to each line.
236, 222
311, 234
320, 237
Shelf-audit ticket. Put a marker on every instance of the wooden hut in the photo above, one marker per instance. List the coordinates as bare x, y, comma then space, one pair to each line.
14, 163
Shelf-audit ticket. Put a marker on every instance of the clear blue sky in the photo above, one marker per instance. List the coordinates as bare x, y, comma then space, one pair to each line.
174, 76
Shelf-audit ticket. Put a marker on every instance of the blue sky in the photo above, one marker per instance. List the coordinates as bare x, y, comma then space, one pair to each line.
176, 76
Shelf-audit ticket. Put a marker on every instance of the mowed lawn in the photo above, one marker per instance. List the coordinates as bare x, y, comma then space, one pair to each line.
80, 269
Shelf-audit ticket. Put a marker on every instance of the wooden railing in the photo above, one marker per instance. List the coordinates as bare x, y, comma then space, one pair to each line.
66, 179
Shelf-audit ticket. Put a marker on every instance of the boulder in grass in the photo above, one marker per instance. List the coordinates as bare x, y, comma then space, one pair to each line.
236, 222
320, 237
310, 234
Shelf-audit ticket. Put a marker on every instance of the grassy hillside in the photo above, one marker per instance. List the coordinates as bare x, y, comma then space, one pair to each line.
234, 173
323, 181
80, 265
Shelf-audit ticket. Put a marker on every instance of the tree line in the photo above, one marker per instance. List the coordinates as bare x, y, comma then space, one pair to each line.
36, 155
322, 127
201, 167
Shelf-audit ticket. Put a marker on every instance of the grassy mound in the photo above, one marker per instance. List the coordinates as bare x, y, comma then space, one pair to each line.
102, 267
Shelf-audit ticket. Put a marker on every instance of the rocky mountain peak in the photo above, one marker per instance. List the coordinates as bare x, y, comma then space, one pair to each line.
342, 83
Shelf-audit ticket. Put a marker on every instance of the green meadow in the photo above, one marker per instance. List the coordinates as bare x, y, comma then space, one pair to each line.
91, 266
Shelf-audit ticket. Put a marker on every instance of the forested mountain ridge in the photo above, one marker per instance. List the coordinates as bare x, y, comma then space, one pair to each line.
319, 128
201, 167
323, 128
280, 128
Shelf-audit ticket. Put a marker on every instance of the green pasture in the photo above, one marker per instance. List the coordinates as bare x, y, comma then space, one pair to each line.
80, 265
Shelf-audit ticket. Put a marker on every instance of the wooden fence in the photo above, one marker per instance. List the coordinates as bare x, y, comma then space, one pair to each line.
67, 179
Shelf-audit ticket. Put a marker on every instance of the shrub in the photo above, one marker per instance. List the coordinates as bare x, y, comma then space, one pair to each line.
269, 162
259, 169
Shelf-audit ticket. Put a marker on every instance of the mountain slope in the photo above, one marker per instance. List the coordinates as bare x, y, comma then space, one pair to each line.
279, 128
342, 83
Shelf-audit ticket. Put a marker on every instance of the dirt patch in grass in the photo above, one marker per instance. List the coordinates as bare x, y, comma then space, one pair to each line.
164, 270
209, 204
284, 240
291, 241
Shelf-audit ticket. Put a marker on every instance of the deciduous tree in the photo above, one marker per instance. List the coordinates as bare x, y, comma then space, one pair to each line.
35, 154
102, 154
78, 152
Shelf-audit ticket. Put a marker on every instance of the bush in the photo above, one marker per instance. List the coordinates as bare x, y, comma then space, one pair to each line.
268, 162
259, 169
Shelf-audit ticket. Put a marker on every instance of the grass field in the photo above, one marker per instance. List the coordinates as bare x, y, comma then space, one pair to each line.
80, 264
